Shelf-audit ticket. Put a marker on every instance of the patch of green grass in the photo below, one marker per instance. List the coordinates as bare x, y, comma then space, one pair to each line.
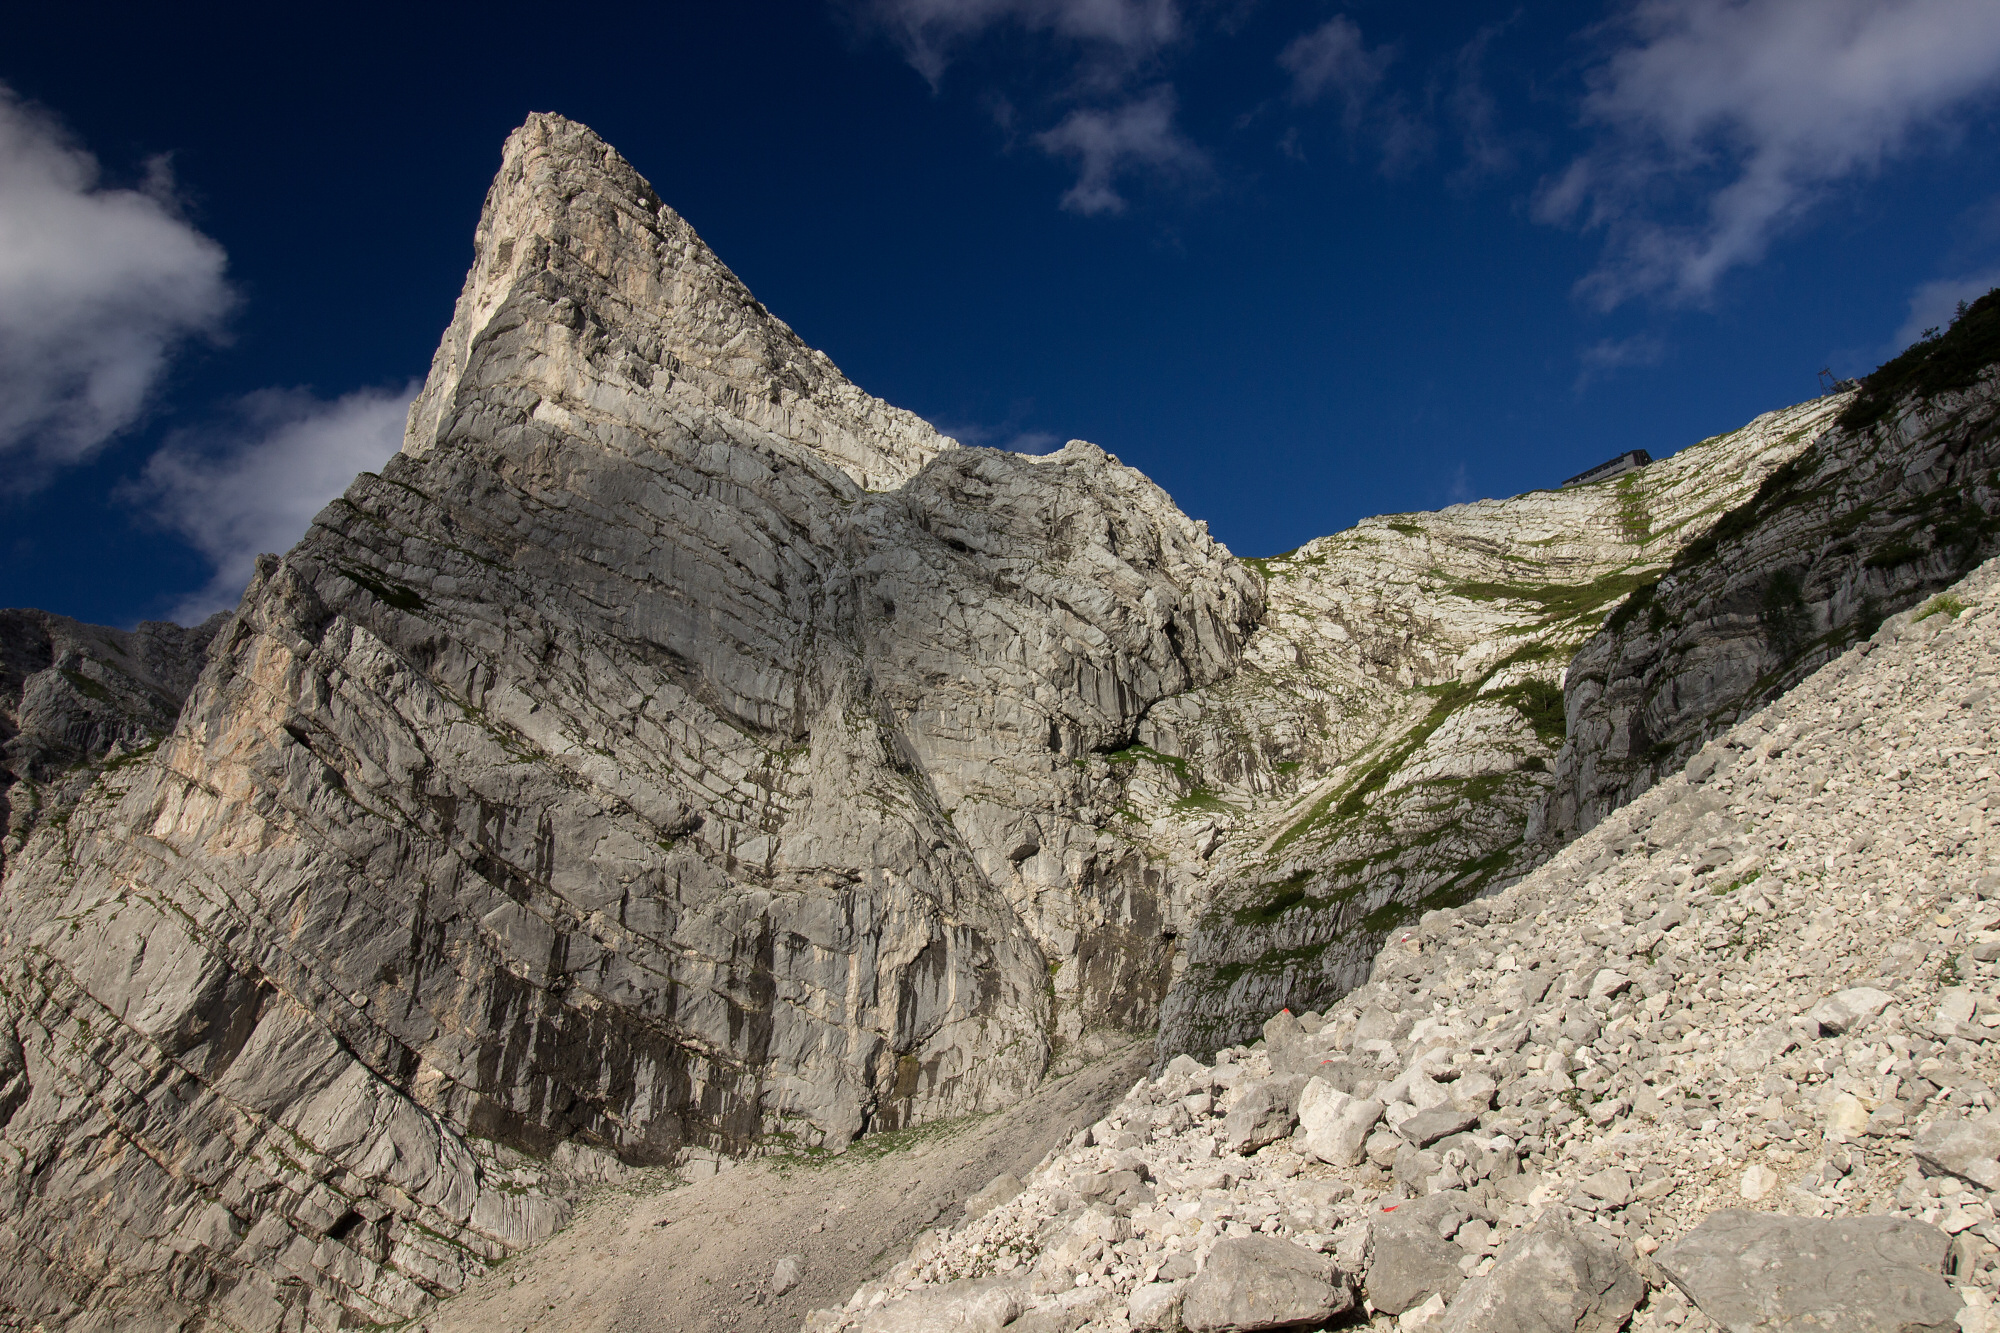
136, 756
1943, 604
85, 686
1286, 894
1633, 518
1635, 601
1407, 529
1558, 601
1722, 890
1896, 553
1539, 701
1132, 754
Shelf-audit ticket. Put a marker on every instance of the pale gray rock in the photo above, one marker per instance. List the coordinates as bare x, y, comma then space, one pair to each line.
75, 696
787, 1273
1410, 1254
1861, 525
1751, 1271
972, 1306
1427, 1127
1842, 1010
1336, 1125
1155, 1307
635, 762
1557, 1278
1263, 1113
1968, 1149
1397, 716
996, 1192
1258, 1282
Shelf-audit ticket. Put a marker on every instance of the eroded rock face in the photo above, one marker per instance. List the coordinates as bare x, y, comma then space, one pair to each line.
73, 695
1866, 523
1396, 717
673, 745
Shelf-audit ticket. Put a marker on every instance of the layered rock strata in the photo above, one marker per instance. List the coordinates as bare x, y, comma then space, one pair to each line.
74, 695
1728, 1060
1397, 715
1896, 502
671, 748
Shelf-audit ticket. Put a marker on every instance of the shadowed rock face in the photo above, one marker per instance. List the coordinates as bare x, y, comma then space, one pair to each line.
672, 745
1398, 712
1866, 523
71, 694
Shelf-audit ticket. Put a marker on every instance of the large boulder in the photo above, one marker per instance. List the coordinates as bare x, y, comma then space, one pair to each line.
1263, 1113
1855, 1274
1555, 1279
1410, 1254
1253, 1282
1336, 1124
975, 1305
1155, 1306
1968, 1149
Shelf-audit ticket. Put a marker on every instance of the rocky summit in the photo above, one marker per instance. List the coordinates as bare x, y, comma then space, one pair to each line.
676, 757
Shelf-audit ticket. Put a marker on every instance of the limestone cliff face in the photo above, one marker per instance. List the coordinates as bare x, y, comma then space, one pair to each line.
675, 750
673, 745
1398, 713
73, 694
1865, 524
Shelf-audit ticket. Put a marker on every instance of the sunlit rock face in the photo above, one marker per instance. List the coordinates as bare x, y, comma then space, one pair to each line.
676, 752
672, 746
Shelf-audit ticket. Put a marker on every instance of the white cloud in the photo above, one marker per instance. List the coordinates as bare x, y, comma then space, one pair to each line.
1106, 144
1010, 437
1117, 33
97, 288
1332, 58
1722, 122
255, 485
1935, 303
1101, 50
1599, 359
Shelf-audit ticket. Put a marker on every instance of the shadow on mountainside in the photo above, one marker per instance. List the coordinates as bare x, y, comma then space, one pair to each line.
699, 1258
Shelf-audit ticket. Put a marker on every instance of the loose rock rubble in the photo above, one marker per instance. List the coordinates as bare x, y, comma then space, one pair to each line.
1728, 1061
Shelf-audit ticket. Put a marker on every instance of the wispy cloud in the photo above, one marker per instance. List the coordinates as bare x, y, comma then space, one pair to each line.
1107, 144
1104, 58
1405, 125
1476, 114
1935, 303
1332, 60
1008, 436
1110, 35
1723, 122
97, 288
1601, 358
253, 484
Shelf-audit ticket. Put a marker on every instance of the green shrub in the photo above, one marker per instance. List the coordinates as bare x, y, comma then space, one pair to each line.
1931, 366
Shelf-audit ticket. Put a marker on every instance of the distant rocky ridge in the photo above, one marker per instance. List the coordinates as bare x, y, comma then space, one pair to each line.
1398, 713
675, 752
72, 695
1898, 501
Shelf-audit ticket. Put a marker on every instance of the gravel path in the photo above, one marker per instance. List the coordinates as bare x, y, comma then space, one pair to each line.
658, 1256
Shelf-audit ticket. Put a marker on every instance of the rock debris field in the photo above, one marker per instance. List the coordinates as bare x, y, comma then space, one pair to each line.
1729, 1061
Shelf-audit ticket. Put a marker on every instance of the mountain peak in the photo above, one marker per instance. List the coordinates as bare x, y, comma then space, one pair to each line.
590, 297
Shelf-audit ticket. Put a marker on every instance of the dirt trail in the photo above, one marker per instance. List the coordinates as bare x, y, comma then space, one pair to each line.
660, 1257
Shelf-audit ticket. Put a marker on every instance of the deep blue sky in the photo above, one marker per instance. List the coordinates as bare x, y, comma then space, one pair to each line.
1310, 308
